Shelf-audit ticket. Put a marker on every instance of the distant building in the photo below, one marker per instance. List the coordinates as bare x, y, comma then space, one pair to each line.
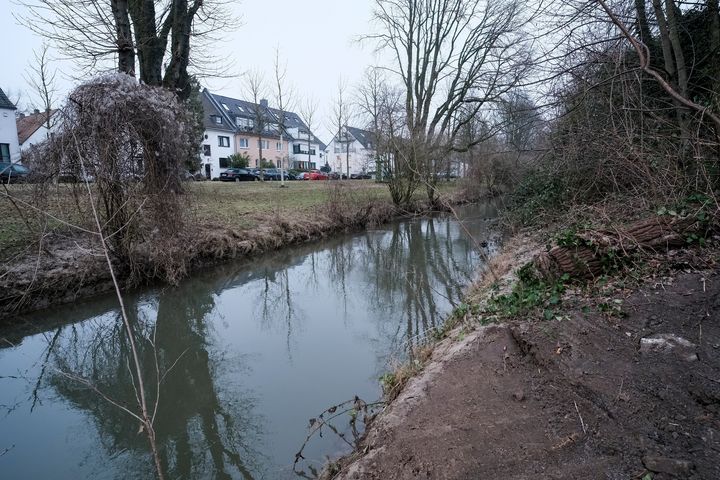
9, 145
353, 146
234, 126
34, 128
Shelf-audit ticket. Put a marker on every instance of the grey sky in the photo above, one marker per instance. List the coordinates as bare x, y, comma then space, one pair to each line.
316, 39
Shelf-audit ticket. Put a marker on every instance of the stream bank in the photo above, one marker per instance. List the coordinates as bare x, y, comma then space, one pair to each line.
246, 353
627, 390
68, 269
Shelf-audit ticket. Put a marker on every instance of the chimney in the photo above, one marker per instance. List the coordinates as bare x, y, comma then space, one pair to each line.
264, 103
36, 111
21, 115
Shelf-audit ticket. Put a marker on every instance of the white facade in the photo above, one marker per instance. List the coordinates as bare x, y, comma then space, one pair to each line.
359, 158
301, 156
38, 136
214, 148
9, 144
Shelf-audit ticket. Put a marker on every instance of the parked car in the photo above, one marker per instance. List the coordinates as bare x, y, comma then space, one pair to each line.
359, 176
316, 175
237, 175
301, 176
12, 172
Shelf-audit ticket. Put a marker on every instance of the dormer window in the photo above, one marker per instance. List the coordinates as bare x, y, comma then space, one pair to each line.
216, 119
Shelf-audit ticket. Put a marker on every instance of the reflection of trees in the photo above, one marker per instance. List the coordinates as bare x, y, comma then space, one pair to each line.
407, 276
415, 268
200, 429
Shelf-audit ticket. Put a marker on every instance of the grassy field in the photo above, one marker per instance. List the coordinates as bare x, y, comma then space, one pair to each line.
234, 205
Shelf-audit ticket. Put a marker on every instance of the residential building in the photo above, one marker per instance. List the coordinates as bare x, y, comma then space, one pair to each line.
237, 126
34, 128
353, 147
9, 145
218, 139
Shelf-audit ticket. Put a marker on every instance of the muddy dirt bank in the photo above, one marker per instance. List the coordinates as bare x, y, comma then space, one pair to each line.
588, 396
69, 269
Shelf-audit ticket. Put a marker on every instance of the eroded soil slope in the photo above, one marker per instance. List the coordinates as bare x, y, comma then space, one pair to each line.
584, 397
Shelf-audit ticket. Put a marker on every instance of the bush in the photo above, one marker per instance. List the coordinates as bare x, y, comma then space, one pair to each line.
132, 141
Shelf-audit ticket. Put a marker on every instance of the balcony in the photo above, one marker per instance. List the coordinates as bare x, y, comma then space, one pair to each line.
297, 150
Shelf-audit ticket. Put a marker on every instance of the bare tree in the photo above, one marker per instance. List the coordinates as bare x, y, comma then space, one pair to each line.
42, 80
371, 95
256, 91
341, 115
308, 112
283, 100
148, 37
453, 57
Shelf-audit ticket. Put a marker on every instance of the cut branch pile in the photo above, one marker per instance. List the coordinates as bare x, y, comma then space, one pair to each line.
587, 257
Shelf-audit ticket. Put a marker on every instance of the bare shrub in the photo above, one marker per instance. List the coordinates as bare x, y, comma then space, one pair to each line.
130, 141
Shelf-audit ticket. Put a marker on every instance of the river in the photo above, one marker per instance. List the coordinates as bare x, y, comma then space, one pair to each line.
248, 353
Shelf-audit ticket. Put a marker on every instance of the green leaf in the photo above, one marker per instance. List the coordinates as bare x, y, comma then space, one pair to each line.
548, 314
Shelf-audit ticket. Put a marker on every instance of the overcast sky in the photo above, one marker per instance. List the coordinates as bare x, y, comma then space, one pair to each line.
317, 39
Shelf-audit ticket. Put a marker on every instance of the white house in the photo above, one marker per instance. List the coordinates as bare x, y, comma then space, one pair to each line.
218, 139
307, 151
34, 128
9, 145
353, 146
231, 126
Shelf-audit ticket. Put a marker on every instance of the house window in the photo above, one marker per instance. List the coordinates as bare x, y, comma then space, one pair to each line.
245, 123
223, 141
265, 144
216, 119
224, 163
206, 150
278, 146
243, 143
4, 152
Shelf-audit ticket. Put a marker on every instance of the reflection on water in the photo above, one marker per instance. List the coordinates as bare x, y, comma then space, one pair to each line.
246, 354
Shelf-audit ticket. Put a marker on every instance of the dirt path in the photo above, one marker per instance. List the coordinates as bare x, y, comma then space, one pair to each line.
576, 398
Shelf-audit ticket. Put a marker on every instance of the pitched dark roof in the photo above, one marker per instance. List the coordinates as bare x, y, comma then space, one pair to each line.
211, 111
5, 101
232, 108
29, 124
366, 139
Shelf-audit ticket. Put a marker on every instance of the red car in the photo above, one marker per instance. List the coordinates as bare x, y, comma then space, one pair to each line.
316, 175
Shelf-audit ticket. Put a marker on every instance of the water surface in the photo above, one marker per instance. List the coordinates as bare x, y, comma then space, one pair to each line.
248, 352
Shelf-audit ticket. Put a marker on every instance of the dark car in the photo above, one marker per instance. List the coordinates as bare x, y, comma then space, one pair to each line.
359, 176
237, 175
12, 172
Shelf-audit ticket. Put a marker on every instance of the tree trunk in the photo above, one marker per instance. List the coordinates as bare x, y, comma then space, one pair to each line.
150, 44
674, 32
176, 75
665, 41
642, 22
125, 48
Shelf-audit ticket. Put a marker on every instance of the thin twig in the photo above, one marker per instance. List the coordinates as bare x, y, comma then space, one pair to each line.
581, 419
